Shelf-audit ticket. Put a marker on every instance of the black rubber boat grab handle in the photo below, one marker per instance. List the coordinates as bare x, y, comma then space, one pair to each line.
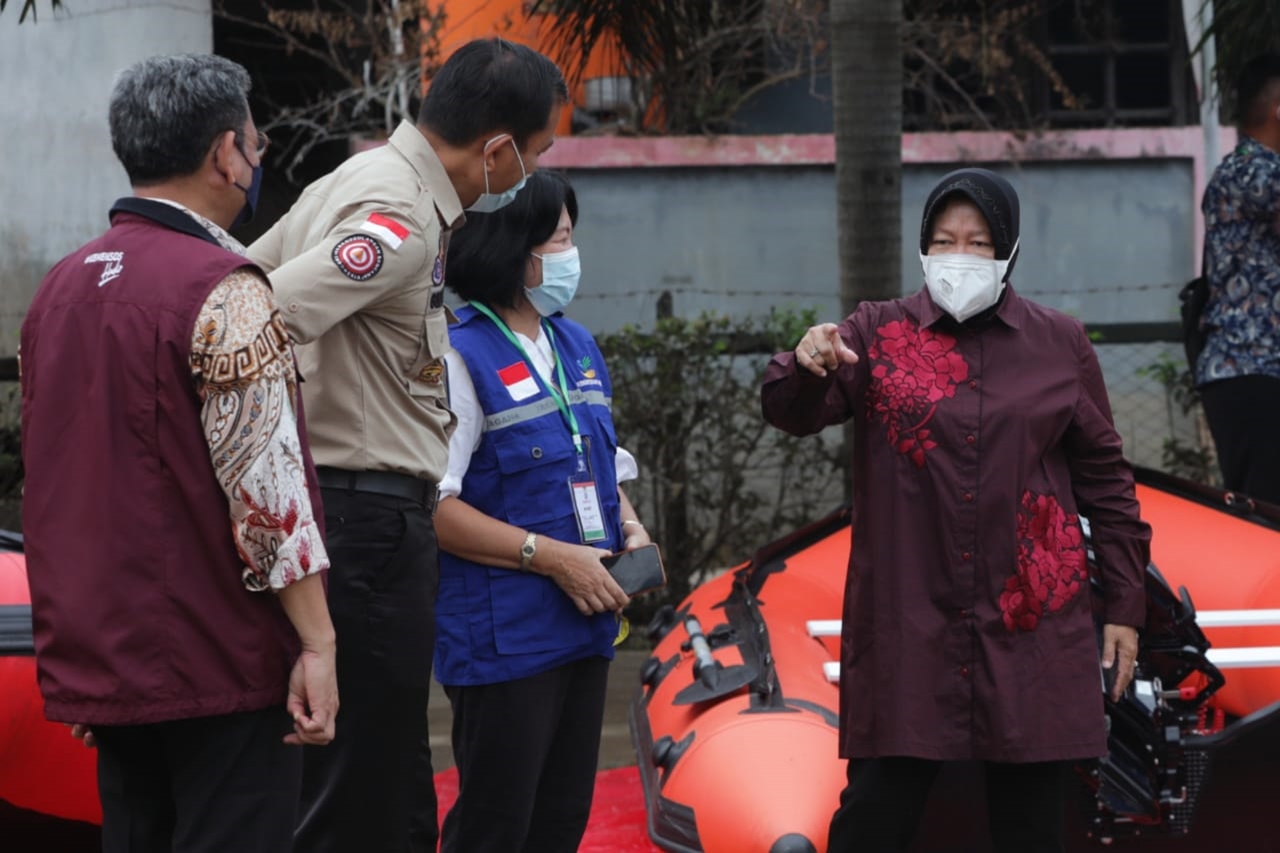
705, 667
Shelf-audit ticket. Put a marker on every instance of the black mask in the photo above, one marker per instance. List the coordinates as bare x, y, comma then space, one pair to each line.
245, 216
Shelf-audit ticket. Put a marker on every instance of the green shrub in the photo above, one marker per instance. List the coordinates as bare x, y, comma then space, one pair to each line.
716, 482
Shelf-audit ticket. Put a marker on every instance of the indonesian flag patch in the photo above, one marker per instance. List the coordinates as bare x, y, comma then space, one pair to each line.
519, 383
391, 232
359, 257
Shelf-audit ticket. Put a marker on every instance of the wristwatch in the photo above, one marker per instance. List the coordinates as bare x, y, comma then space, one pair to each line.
527, 550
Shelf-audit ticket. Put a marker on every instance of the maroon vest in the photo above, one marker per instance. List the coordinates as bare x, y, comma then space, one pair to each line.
139, 611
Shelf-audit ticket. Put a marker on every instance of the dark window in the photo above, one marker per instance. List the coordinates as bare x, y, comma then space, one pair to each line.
1122, 63
1125, 61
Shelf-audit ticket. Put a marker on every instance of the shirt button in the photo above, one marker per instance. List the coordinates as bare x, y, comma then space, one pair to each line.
293, 308
964, 614
966, 556
973, 383
970, 439
964, 670
968, 497
536, 453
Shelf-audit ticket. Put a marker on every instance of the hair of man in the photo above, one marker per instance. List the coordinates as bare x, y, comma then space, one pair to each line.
1257, 90
167, 111
492, 86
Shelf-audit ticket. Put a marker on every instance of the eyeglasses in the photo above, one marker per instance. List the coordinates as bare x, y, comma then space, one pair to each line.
260, 145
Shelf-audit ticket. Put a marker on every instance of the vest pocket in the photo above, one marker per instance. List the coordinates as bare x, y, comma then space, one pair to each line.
535, 470
532, 614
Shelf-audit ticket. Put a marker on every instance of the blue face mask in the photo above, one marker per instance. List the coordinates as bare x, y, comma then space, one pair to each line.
251, 192
489, 202
560, 274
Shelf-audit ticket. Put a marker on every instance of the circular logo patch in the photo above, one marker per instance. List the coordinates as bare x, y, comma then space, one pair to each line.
358, 257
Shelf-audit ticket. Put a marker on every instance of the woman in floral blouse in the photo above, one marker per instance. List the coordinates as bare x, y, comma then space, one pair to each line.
983, 434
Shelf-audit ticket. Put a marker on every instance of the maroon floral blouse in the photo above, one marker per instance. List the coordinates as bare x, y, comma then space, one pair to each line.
968, 631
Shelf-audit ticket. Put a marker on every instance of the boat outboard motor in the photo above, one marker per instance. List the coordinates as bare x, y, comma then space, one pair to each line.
1150, 780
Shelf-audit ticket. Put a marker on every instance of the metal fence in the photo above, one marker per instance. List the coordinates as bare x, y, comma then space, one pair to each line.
1154, 406
1143, 365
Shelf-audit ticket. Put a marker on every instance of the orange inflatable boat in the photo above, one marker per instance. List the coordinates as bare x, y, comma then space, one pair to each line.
735, 720
42, 768
48, 780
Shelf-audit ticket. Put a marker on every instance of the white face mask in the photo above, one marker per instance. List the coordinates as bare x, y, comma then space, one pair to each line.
964, 285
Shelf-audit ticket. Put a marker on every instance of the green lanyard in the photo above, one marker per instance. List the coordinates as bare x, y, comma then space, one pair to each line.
561, 394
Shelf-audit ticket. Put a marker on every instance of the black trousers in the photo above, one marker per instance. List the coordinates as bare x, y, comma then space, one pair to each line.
359, 792
881, 806
204, 785
526, 752
1244, 416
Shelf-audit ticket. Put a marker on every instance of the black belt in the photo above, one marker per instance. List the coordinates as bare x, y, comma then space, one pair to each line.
382, 483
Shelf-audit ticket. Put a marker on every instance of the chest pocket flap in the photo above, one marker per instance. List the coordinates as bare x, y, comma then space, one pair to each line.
426, 374
535, 466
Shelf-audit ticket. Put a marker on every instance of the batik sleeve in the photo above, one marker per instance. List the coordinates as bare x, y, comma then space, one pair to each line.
244, 370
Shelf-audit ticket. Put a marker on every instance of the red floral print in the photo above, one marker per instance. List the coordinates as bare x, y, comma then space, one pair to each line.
1052, 568
914, 369
261, 526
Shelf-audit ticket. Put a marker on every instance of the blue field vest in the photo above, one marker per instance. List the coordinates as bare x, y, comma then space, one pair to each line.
500, 624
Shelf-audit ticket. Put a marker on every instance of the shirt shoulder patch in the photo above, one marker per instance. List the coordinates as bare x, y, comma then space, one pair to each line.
391, 231
359, 257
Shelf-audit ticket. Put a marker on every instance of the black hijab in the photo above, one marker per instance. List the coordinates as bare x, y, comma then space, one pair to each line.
993, 195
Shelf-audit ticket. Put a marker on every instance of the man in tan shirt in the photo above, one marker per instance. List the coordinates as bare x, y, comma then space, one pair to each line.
358, 268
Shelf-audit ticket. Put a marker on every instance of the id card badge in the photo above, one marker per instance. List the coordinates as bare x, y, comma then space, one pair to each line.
586, 503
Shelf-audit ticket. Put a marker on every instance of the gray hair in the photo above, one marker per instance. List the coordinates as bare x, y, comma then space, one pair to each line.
166, 112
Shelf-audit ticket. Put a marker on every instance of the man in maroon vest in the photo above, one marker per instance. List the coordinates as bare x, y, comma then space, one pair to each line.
170, 510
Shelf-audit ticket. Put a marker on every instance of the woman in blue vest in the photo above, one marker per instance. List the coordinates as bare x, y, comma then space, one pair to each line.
527, 615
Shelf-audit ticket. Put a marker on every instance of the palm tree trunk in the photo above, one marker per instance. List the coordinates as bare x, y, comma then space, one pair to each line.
867, 90
866, 76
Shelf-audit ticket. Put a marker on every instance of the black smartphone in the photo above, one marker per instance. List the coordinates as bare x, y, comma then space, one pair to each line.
637, 571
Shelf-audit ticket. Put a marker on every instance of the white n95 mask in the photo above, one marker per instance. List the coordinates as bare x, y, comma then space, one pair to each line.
964, 285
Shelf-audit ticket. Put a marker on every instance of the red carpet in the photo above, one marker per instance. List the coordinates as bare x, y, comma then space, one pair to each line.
617, 822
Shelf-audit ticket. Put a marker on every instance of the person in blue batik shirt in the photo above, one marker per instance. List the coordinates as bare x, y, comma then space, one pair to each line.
1238, 372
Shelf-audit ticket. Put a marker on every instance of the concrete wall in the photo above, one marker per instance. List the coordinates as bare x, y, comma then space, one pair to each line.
59, 175
1111, 229
1111, 225
1108, 241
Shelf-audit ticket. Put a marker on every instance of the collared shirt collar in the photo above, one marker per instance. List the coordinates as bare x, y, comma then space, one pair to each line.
1009, 312
410, 142
225, 240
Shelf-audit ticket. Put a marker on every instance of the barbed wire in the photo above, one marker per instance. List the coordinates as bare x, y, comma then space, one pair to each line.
659, 291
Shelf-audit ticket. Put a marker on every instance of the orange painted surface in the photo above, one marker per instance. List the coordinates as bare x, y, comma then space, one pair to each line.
471, 19
42, 768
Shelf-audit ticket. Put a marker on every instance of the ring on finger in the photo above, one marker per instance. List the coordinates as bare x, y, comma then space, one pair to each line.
814, 353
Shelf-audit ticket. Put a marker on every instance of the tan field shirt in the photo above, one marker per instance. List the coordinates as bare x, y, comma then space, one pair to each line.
358, 266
